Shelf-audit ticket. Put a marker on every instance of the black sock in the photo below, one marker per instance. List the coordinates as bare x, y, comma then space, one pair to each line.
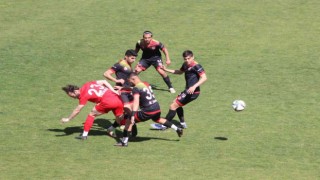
115, 124
125, 133
168, 124
167, 81
134, 130
180, 114
170, 115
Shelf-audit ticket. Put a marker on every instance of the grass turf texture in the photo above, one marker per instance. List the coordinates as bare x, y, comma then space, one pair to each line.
264, 52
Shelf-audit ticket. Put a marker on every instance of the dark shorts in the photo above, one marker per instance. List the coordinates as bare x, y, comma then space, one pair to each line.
126, 97
141, 116
184, 98
146, 63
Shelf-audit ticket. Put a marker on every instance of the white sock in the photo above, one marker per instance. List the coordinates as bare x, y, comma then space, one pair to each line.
174, 127
85, 133
125, 139
110, 128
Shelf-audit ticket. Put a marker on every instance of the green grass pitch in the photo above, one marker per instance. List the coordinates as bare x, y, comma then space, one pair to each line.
263, 52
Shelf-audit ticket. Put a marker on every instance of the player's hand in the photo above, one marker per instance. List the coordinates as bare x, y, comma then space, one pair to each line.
64, 120
168, 62
121, 81
191, 90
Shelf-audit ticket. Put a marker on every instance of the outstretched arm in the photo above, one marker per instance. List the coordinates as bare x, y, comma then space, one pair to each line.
74, 113
172, 71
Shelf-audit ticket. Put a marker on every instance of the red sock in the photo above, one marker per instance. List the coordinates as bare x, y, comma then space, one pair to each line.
88, 123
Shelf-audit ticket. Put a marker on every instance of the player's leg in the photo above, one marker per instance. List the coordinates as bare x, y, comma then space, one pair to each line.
117, 109
127, 100
158, 65
142, 66
169, 124
89, 122
134, 118
180, 113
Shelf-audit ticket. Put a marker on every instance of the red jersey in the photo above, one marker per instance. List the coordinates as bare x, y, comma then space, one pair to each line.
91, 91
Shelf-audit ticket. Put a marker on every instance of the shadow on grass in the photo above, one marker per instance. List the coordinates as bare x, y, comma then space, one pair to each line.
221, 138
140, 139
155, 87
98, 128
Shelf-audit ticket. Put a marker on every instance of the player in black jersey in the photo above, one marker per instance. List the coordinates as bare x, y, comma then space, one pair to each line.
194, 76
151, 55
149, 109
122, 71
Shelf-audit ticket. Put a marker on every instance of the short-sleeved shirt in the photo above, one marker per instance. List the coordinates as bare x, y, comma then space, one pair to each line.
122, 70
148, 102
150, 50
192, 74
91, 91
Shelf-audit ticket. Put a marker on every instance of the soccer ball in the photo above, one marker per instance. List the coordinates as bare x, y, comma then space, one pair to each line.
238, 105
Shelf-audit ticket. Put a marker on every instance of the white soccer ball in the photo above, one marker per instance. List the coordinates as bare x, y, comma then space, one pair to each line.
238, 105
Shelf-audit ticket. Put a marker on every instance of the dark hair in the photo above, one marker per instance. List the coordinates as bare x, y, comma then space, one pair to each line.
133, 74
70, 88
147, 32
187, 53
131, 52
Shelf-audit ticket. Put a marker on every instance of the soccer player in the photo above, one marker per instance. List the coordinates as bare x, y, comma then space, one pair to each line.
151, 55
122, 71
149, 109
99, 92
194, 76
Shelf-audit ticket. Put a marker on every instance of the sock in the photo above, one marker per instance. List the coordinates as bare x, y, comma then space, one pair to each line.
125, 136
170, 125
125, 133
115, 124
180, 114
88, 123
125, 140
170, 115
167, 81
85, 133
110, 128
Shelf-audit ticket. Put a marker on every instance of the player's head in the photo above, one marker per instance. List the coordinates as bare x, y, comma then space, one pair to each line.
134, 78
130, 55
71, 90
188, 56
147, 36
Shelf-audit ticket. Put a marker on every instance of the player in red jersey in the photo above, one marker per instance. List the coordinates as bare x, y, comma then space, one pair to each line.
99, 92
194, 76
144, 100
122, 71
151, 55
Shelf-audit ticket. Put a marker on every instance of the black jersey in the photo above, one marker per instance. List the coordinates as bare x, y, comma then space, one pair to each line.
150, 50
148, 102
122, 70
192, 74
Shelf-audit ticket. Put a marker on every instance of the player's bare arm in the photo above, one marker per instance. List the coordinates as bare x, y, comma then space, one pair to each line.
108, 74
74, 113
172, 70
166, 53
202, 79
108, 85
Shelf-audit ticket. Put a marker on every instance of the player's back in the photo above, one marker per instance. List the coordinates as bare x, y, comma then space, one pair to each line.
147, 98
91, 91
